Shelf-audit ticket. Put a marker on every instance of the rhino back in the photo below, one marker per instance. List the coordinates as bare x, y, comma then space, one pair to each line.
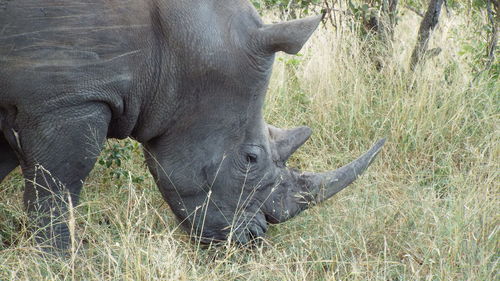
64, 32
66, 45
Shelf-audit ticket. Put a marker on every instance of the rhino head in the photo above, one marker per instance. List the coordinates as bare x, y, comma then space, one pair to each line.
220, 166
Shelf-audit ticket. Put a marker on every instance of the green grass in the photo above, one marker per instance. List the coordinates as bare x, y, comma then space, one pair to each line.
427, 209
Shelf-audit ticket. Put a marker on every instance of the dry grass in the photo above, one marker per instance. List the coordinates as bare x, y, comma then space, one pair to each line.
427, 209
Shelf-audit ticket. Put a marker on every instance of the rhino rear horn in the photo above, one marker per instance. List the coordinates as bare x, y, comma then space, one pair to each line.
288, 141
289, 36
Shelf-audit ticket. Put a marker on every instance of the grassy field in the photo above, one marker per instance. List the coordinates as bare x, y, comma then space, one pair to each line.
427, 209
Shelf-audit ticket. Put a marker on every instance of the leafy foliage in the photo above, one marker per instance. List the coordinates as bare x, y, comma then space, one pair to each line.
115, 154
288, 8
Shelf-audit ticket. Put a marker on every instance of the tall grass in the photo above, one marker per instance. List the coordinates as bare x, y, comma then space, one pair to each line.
427, 209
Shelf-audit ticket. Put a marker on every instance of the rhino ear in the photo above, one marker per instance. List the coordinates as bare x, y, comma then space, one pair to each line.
288, 141
289, 36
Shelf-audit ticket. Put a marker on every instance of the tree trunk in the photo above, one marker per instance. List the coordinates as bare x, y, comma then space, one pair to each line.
494, 21
428, 24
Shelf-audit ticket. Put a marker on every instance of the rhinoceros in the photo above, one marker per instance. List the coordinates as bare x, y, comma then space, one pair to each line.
187, 79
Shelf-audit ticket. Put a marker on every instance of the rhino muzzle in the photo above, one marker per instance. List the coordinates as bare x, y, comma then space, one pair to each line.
246, 229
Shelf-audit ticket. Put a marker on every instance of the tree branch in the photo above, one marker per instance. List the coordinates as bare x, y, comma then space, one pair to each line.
415, 10
428, 24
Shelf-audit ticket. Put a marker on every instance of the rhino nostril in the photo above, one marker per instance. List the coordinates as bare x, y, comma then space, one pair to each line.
256, 231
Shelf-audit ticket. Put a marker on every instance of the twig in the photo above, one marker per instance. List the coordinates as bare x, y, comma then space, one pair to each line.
494, 33
288, 9
415, 10
492, 44
329, 12
446, 7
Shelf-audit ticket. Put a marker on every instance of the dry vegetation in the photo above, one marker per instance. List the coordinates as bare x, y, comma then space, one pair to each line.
427, 209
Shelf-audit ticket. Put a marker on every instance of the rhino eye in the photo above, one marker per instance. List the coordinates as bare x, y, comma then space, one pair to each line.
250, 154
251, 158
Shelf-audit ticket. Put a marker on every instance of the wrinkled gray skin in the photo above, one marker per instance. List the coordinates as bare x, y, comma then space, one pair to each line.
186, 78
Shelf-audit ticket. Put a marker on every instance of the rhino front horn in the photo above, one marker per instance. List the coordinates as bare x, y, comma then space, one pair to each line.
324, 185
302, 190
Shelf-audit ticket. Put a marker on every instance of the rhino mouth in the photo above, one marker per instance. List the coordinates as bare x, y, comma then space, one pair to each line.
247, 231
